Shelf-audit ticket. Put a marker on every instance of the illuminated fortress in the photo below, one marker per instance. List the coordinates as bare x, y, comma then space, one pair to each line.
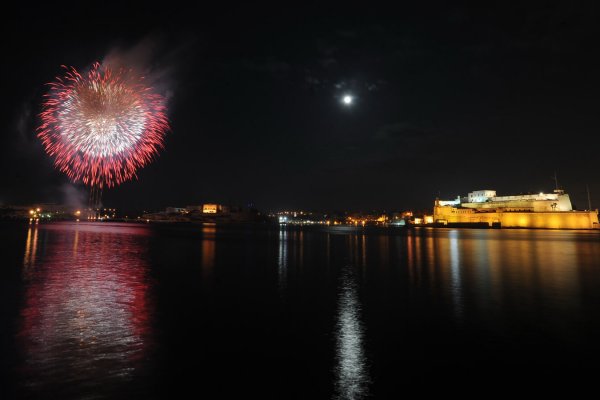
542, 210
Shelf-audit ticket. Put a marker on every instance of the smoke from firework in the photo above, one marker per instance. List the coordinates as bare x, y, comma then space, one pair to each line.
102, 126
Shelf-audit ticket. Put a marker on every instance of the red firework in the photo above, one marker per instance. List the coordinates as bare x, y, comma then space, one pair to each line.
101, 127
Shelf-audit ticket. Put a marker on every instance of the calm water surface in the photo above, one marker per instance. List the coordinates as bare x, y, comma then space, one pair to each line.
92, 311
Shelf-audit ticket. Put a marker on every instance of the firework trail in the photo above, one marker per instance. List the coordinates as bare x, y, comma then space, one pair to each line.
101, 127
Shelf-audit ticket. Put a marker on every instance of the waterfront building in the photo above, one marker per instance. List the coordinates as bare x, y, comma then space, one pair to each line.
541, 210
210, 208
176, 210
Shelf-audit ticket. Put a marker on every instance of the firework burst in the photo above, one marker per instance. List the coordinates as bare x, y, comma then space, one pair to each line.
101, 127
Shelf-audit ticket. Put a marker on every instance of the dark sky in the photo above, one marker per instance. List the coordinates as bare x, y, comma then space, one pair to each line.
448, 100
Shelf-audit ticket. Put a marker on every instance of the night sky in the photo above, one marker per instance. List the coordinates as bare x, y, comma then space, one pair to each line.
447, 100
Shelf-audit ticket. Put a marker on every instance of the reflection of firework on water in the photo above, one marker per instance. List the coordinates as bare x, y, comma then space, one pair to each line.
101, 127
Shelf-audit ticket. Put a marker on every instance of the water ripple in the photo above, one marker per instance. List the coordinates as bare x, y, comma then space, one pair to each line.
86, 315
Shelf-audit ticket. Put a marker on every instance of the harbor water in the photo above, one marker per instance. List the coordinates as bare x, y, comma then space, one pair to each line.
108, 310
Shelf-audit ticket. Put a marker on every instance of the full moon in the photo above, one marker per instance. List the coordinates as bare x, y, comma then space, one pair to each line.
347, 99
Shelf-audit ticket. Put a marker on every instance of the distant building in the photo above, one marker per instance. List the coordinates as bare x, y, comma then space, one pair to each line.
210, 208
35, 211
176, 210
542, 210
487, 199
481, 196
